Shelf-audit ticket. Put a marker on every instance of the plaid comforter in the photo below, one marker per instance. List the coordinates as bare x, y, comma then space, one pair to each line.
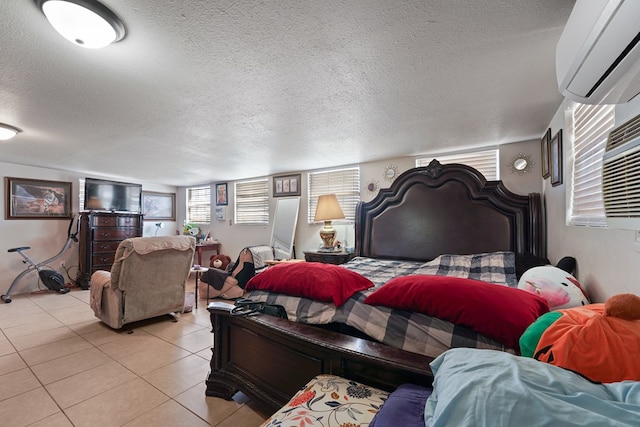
411, 331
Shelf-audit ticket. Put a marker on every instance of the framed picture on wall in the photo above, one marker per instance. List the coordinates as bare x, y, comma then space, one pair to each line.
159, 205
555, 156
36, 199
286, 185
544, 148
221, 194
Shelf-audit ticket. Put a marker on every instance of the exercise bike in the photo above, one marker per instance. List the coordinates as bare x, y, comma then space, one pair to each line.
44, 273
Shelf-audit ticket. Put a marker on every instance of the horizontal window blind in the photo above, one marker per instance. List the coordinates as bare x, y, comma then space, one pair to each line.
199, 205
485, 161
590, 125
344, 183
80, 194
252, 202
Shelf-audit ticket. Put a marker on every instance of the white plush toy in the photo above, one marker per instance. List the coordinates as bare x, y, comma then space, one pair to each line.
559, 288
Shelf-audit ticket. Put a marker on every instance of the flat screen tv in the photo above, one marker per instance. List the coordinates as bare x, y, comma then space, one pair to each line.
103, 195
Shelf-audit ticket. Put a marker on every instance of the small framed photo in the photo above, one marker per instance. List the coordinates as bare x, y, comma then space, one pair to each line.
221, 194
544, 147
286, 185
159, 205
555, 156
221, 213
36, 199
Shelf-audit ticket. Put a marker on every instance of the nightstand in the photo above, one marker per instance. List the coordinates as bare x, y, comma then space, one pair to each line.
328, 257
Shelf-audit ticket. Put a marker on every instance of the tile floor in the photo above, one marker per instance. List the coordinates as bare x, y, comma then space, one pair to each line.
60, 366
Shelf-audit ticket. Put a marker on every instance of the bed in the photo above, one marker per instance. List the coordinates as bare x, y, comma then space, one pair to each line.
427, 212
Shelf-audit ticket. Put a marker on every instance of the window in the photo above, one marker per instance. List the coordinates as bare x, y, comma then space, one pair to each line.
252, 202
80, 194
199, 205
485, 161
588, 127
344, 183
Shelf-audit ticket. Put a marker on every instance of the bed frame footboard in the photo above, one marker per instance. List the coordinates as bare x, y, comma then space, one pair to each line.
269, 359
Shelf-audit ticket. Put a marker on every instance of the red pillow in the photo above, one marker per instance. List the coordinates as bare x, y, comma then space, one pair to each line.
322, 282
498, 312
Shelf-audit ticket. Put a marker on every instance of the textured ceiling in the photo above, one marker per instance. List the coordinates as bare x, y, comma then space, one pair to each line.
202, 91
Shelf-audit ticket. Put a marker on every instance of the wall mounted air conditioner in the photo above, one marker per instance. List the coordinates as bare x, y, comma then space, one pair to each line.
621, 176
598, 54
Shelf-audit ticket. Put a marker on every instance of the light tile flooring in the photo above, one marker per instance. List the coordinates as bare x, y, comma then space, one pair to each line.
61, 366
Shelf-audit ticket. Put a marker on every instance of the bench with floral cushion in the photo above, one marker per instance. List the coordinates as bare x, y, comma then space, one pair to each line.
329, 400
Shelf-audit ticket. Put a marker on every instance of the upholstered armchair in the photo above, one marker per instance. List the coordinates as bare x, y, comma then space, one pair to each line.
147, 279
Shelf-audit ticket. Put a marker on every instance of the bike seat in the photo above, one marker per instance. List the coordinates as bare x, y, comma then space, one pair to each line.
19, 249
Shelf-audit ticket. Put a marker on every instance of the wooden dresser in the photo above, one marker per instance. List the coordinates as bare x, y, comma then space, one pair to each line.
100, 235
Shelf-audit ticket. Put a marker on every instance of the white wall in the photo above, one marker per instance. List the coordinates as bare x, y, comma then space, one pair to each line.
236, 237
607, 259
46, 237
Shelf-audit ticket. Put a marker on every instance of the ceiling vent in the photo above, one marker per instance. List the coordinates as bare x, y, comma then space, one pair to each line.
621, 176
598, 53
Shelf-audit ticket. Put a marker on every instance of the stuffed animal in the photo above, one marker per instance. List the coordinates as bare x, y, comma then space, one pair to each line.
559, 288
599, 341
220, 261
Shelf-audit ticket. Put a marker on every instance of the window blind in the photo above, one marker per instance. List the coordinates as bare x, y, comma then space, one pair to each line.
80, 194
199, 205
485, 161
252, 202
344, 183
590, 125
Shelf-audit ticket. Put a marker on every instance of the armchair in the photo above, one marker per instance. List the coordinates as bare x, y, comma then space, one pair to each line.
147, 279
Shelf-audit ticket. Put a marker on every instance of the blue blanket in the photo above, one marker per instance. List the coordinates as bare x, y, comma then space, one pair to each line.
490, 388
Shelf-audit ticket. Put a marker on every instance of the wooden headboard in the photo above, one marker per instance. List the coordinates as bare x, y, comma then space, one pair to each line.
450, 208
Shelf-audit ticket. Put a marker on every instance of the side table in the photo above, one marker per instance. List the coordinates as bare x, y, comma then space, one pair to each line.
211, 246
328, 257
199, 272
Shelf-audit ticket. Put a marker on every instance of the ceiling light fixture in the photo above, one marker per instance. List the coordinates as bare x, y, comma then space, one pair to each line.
86, 23
8, 132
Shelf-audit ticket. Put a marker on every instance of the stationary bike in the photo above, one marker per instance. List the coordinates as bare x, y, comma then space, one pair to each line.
44, 273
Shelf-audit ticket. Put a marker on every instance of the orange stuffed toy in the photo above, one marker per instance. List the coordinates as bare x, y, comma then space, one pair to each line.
599, 341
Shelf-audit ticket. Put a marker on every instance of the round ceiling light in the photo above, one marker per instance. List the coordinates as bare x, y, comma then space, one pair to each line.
85, 23
8, 132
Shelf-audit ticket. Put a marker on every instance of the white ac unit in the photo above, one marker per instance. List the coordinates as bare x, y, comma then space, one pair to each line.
621, 176
598, 54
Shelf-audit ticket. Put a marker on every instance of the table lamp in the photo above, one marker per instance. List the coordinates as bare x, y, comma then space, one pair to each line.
328, 209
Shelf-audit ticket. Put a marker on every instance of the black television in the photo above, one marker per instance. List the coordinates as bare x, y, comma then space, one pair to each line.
113, 196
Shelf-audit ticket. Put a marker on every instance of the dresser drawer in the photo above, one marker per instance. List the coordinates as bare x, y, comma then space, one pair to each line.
128, 221
103, 261
103, 221
114, 233
105, 246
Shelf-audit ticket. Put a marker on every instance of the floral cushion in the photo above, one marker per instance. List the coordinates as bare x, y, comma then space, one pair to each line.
329, 400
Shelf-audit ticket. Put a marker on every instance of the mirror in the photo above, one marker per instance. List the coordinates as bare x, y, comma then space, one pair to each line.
284, 227
520, 164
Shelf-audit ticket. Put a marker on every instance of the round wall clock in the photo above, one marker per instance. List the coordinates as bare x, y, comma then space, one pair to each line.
390, 172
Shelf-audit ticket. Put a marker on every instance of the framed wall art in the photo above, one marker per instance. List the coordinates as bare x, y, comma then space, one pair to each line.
555, 158
544, 151
159, 205
36, 199
222, 198
286, 185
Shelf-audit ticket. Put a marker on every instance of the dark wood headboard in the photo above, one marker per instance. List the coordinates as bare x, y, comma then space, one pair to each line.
450, 208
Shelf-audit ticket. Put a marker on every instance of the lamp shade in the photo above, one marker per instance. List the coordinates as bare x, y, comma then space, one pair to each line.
85, 23
328, 208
